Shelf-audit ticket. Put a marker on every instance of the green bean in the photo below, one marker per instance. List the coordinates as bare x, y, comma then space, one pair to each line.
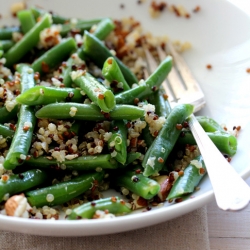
64, 191
163, 144
22, 139
66, 69
98, 53
103, 28
147, 136
57, 19
26, 20
161, 72
21, 142
6, 33
41, 95
162, 106
5, 45
130, 96
30, 40
136, 183
7, 116
98, 94
54, 56
27, 77
112, 72
186, 183
146, 89
132, 156
88, 112
75, 128
118, 142
6, 132
112, 205
21, 182
81, 26
208, 124
126, 112
82, 163
225, 142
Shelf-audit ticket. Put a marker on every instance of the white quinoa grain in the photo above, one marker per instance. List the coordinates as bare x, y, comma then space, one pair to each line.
52, 127
73, 111
22, 157
151, 161
113, 154
196, 163
98, 169
68, 211
27, 124
50, 197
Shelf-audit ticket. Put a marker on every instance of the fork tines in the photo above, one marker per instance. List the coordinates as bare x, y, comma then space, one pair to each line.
180, 85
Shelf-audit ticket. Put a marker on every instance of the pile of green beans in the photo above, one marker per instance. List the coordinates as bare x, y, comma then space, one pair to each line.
85, 100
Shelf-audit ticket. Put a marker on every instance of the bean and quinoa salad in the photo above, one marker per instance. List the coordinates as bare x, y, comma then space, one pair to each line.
79, 117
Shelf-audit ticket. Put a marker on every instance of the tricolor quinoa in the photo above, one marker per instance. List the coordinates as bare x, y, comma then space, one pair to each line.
61, 142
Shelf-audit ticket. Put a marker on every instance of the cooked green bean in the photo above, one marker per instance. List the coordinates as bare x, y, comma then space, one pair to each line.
186, 183
112, 205
163, 144
7, 33
118, 141
132, 156
5, 45
136, 183
82, 163
30, 40
41, 95
7, 116
64, 191
6, 132
21, 142
27, 76
57, 19
98, 53
88, 112
103, 28
26, 20
112, 72
148, 87
98, 94
208, 124
54, 56
66, 69
21, 182
80, 26
149, 139
225, 142
162, 106
137, 93
161, 72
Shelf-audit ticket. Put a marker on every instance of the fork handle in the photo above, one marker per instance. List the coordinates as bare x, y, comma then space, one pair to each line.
230, 190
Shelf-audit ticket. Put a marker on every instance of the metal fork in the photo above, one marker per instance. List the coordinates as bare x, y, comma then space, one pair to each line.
230, 190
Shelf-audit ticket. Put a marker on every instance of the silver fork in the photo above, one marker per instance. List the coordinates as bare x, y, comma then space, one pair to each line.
230, 190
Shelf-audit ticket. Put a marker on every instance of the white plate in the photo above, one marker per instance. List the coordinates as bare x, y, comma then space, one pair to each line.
220, 36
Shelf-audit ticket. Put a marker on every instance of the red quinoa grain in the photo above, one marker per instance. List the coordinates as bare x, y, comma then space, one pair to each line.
178, 126
197, 9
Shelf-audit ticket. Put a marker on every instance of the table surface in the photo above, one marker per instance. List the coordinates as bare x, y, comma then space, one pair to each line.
228, 230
